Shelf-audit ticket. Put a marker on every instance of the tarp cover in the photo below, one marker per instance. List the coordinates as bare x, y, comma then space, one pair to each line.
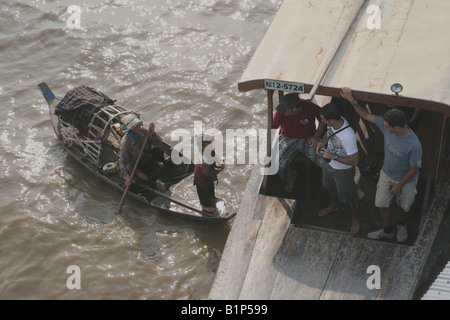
390, 41
78, 106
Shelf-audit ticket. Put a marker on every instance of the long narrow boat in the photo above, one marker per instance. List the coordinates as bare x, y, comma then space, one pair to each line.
89, 125
278, 247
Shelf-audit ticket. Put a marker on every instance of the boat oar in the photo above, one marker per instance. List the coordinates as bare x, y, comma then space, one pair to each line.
119, 209
166, 196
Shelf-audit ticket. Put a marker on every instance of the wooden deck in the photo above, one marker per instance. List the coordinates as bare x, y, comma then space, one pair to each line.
268, 257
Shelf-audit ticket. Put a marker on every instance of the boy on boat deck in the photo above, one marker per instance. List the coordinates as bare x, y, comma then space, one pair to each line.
205, 174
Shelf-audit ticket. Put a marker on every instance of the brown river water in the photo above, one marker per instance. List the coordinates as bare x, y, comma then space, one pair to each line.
175, 62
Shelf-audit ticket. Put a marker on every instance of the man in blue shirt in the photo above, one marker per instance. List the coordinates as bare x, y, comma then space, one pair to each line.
400, 171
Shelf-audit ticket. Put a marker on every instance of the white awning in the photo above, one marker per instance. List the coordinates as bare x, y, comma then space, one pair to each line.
390, 41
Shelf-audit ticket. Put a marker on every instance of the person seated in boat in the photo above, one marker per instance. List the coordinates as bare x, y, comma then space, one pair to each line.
152, 159
205, 174
400, 171
339, 148
298, 134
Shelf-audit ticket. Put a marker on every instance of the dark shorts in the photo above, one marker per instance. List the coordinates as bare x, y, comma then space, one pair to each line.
206, 195
342, 181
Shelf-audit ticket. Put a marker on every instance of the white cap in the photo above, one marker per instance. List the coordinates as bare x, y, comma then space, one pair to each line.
130, 121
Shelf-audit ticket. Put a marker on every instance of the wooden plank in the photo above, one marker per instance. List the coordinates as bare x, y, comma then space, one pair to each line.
429, 132
268, 258
261, 272
241, 241
235, 260
251, 197
348, 277
304, 261
362, 96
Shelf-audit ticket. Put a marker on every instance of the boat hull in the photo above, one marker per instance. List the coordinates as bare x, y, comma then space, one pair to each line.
146, 193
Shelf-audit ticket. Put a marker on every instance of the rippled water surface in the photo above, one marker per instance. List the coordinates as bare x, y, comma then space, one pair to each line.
175, 62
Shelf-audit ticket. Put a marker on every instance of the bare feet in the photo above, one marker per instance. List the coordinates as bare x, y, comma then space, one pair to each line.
289, 187
208, 209
328, 210
354, 229
217, 199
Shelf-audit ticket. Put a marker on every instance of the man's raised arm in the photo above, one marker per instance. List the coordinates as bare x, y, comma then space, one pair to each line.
346, 93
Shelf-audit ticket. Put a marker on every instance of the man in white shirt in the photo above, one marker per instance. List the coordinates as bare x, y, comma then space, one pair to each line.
339, 148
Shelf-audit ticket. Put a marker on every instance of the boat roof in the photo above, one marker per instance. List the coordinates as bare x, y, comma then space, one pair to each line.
379, 43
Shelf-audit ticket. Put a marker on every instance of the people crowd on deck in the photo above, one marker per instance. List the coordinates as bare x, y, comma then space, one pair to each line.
332, 146
336, 152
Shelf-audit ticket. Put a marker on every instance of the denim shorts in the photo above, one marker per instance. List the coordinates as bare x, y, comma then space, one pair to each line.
405, 198
340, 180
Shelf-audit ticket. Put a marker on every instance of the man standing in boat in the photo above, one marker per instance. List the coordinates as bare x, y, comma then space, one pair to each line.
340, 149
152, 160
400, 171
297, 119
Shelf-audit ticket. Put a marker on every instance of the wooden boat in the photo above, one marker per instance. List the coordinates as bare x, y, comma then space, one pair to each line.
278, 247
91, 133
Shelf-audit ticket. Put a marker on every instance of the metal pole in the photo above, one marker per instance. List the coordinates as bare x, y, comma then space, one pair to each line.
334, 51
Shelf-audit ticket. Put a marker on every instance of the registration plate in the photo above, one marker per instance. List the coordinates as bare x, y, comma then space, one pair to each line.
289, 86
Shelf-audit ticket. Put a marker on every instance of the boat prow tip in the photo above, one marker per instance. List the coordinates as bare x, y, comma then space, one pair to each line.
46, 92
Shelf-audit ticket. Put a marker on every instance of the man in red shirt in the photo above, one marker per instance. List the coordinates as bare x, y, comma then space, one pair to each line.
297, 119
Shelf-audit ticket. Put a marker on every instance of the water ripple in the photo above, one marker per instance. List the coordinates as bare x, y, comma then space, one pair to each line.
175, 62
